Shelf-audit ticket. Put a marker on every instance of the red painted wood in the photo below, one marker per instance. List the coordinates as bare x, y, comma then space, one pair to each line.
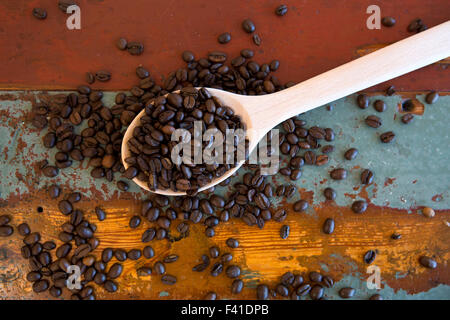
313, 37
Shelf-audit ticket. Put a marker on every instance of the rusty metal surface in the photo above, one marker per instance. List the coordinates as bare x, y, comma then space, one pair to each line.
313, 37
410, 173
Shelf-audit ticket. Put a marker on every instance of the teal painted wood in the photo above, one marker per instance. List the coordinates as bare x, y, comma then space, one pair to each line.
412, 171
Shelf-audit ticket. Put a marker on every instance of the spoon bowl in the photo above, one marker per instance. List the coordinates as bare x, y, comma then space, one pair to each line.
261, 113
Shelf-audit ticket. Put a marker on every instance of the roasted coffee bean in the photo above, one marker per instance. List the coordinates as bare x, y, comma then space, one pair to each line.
6, 231
370, 256
142, 73
216, 269
327, 281
387, 137
284, 232
376, 297
110, 286
396, 236
315, 276
428, 262
279, 215
256, 39
346, 292
282, 290
388, 21
121, 43
24, 229
40, 286
316, 292
432, 97
329, 193
39, 13
63, 250
135, 221
73, 197
281, 10
148, 235
148, 252
144, 271
107, 254
300, 206
351, 154
168, 279
248, 26
50, 171
428, 212
115, 271
366, 176
226, 257
4, 219
321, 160
101, 215
415, 25
303, 289
237, 286
262, 292
103, 75
363, 101
65, 207
224, 38
328, 226
120, 255
233, 271
135, 48
232, 243
159, 268
338, 174
373, 121
379, 105
134, 254
214, 252
32, 238
287, 279
359, 206
407, 118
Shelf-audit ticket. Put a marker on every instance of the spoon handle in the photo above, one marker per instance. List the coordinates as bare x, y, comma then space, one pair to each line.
392, 61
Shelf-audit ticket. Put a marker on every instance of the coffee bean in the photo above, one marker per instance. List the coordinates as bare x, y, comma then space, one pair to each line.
300, 206
73, 197
379, 105
396, 236
284, 232
370, 256
168, 279
262, 292
359, 206
316, 292
248, 26
224, 38
328, 226
329, 193
432, 97
120, 255
351, 154
6, 231
328, 282
232, 243
281, 10
256, 39
376, 297
32, 238
363, 101
303, 289
415, 25
237, 286
407, 118
408, 105
346, 292
428, 212
388, 21
428, 262
387, 137
315, 276
210, 296
134, 254
188, 56
159, 268
135, 48
233, 271
24, 229
110, 286
170, 258
40, 286
247, 53
101, 215
50, 171
148, 235
338, 174
103, 75
4, 219
121, 43
39, 13
65, 207
144, 271
122, 185
366, 176
373, 121
115, 271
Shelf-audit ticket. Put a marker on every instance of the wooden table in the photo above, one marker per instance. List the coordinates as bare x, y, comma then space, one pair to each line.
313, 37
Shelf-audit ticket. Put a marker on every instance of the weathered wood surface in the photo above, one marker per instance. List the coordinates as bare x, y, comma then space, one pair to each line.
45, 55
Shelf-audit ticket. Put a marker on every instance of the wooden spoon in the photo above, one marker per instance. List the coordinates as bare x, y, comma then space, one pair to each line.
262, 113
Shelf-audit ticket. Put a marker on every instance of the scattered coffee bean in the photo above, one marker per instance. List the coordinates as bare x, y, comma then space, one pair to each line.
407, 118
376, 297
428, 262
284, 232
232, 243
328, 226
262, 292
281, 10
346, 293
432, 97
338, 174
351, 154
387, 137
329, 193
379, 105
428, 212
248, 26
370, 256
359, 206
224, 38
366, 176
373, 121
363, 101
388, 21
256, 39
300, 206
39, 13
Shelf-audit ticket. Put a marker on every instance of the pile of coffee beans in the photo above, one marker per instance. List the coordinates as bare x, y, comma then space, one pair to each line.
151, 146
